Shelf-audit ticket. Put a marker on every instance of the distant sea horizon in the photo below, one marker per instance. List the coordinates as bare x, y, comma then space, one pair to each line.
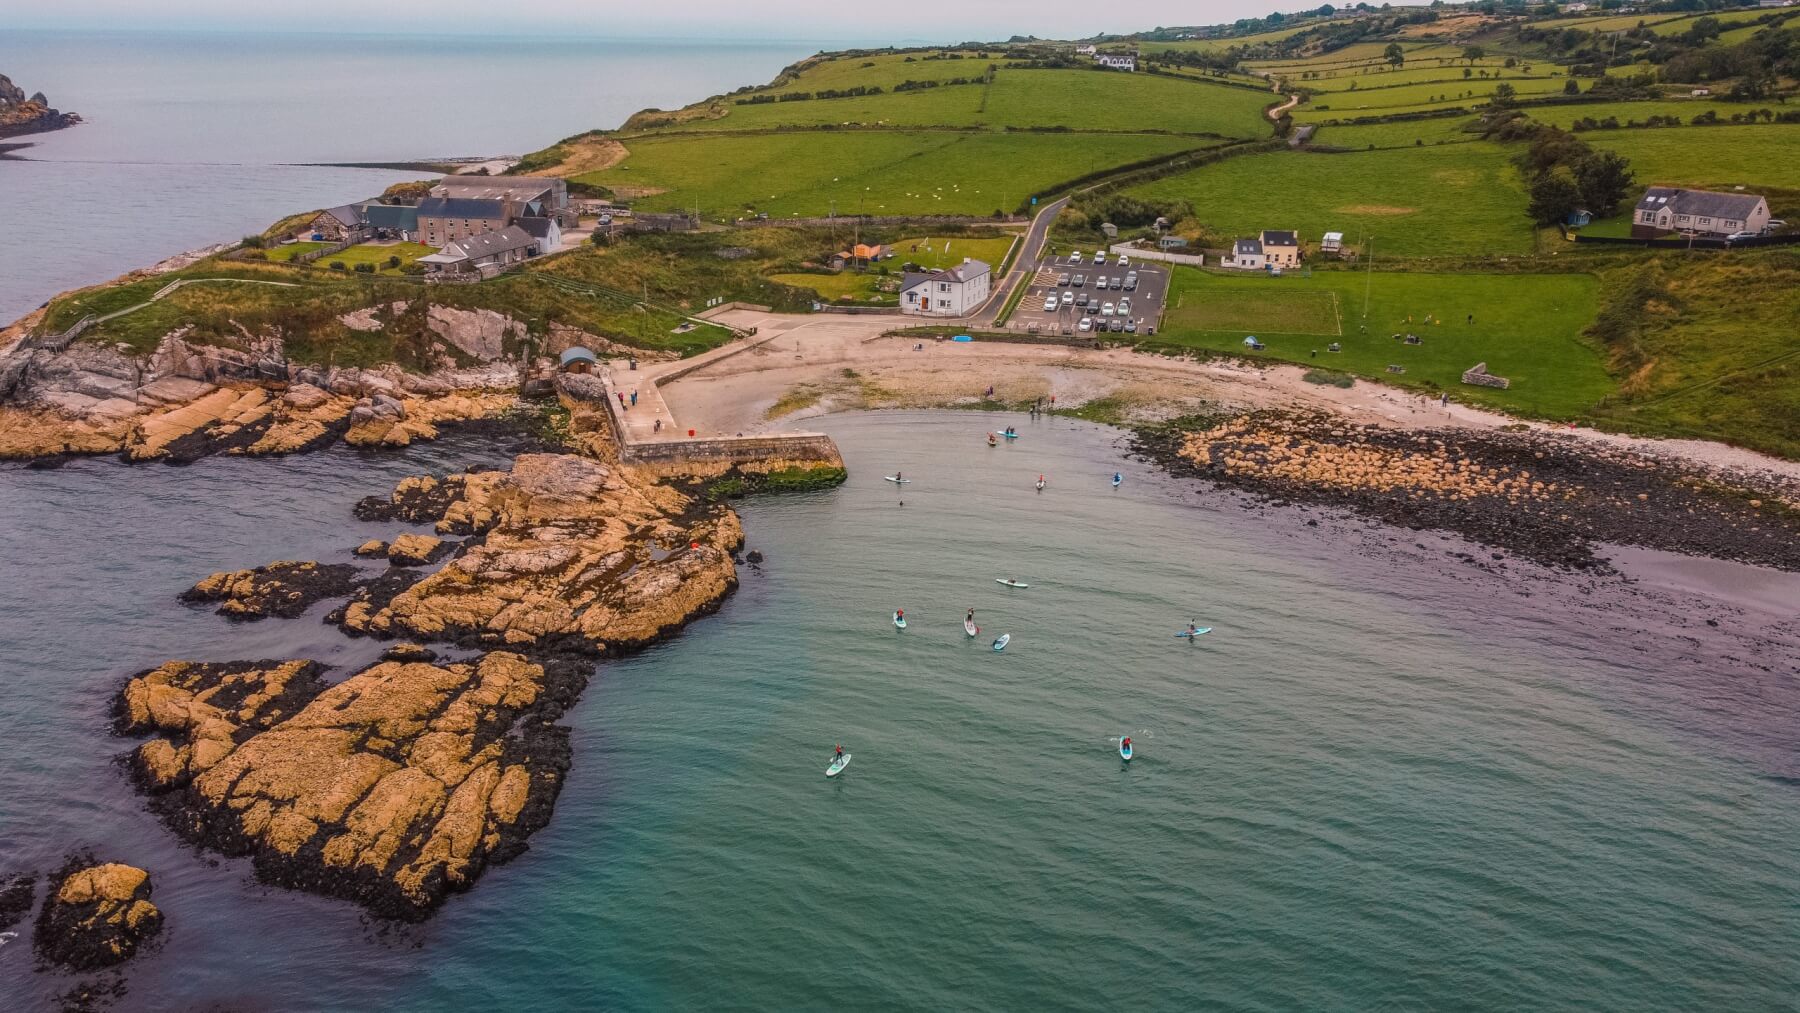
194, 138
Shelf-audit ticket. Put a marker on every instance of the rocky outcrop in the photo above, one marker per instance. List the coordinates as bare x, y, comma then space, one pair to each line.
392, 788
416, 550
96, 915
576, 554
20, 115
284, 589
481, 335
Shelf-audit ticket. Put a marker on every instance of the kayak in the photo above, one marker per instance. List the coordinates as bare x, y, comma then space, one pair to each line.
1124, 751
1001, 641
899, 621
897, 480
1203, 629
837, 765
1117, 478
1010, 436
1010, 583
970, 628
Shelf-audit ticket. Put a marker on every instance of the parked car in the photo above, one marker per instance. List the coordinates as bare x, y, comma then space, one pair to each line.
1063, 278
1118, 283
1083, 301
1124, 307
1079, 280
1106, 309
1735, 236
1124, 260
1118, 324
1067, 297
1085, 326
1099, 257
1075, 258
1049, 304
1131, 282
1131, 326
1100, 282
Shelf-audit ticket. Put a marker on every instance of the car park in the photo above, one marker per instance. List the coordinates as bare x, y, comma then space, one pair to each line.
1067, 297
1079, 280
1106, 309
1062, 279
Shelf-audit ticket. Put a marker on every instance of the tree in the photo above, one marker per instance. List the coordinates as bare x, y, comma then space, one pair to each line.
1503, 96
1603, 178
1473, 53
1394, 55
1571, 87
1554, 196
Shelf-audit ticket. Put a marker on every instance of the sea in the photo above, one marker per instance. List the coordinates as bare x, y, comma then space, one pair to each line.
197, 138
1398, 774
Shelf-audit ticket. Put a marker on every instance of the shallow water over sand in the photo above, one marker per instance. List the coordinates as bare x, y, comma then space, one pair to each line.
1387, 778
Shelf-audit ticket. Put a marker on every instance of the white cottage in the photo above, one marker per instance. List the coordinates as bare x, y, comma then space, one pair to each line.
956, 292
1703, 212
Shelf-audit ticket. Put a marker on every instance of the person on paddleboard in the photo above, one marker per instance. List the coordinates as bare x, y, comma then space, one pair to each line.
971, 616
1193, 630
1126, 745
899, 613
840, 751
899, 477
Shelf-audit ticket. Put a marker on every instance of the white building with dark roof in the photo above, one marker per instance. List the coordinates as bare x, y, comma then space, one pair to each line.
955, 292
1246, 255
1703, 212
486, 254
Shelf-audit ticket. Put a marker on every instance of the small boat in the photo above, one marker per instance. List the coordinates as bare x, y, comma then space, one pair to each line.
1197, 631
1001, 641
1124, 751
992, 440
1118, 479
970, 628
1010, 583
837, 765
897, 480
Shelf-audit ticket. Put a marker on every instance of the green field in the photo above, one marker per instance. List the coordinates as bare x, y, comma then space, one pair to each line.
288, 251
1762, 155
1625, 112
929, 252
1220, 45
1453, 199
1448, 92
1407, 133
1080, 100
1381, 76
1526, 328
377, 254
878, 172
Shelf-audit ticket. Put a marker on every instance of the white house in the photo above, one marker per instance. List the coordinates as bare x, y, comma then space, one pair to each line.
486, 254
1117, 61
1704, 212
547, 233
956, 292
1084, 50
1246, 255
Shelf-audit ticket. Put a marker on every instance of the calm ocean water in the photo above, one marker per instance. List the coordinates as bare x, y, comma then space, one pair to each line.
191, 137
1387, 780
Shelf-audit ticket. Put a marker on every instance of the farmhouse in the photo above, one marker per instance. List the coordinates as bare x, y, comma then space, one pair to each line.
1084, 50
335, 225
1246, 255
391, 221
1702, 212
526, 196
485, 254
1281, 248
1117, 61
545, 233
955, 292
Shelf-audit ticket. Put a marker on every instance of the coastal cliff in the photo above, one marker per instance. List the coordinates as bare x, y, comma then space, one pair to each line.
21, 115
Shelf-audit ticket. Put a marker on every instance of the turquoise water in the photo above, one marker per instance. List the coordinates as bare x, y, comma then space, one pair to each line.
1385, 781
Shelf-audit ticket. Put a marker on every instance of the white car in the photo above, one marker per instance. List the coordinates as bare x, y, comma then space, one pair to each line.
1068, 297
1075, 258
1124, 307
1086, 325
1106, 309
1050, 304
1099, 256
1100, 282
1124, 260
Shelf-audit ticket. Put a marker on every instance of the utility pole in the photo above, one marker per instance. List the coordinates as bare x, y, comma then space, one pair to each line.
1369, 283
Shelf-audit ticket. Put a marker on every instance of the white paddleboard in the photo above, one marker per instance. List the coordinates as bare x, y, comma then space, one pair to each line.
1010, 583
1125, 751
1001, 642
899, 622
970, 628
838, 765
898, 481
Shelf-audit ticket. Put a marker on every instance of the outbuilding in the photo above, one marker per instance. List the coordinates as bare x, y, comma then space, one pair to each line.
578, 360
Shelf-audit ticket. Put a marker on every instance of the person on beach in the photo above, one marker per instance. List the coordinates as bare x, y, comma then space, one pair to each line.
634, 399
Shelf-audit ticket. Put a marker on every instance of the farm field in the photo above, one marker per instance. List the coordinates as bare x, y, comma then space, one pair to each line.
1219, 45
1420, 202
288, 251
881, 171
377, 254
1762, 155
1526, 327
1474, 91
1618, 23
883, 69
845, 286
1370, 77
1407, 133
1727, 18
1625, 112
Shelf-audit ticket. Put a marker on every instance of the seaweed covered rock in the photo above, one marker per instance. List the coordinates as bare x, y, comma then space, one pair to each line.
575, 553
391, 788
284, 589
96, 915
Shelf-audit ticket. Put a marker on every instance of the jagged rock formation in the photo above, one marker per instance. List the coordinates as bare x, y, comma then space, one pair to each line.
391, 788
21, 115
96, 915
284, 589
575, 554
416, 550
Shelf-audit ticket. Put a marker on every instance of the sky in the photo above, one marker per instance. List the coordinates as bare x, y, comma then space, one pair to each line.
911, 21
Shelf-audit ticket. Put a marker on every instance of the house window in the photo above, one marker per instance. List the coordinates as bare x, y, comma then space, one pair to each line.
943, 286
1706, 221
1682, 218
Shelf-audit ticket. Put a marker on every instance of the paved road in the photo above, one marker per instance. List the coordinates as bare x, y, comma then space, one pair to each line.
1024, 265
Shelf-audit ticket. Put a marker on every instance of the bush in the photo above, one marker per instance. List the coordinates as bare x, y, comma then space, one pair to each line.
254, 242
365, 269
337, 265
394, 261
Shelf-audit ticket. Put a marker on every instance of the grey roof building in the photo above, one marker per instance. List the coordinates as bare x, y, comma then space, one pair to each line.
462, 207
1247, 248
391, 218
1672, 209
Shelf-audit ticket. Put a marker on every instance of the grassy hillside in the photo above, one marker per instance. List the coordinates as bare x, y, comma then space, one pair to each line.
1723, 157
880, 172
1454, 199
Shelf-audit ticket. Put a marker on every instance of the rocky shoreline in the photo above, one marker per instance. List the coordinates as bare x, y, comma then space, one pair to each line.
400, 783
1538, 497
20, 115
